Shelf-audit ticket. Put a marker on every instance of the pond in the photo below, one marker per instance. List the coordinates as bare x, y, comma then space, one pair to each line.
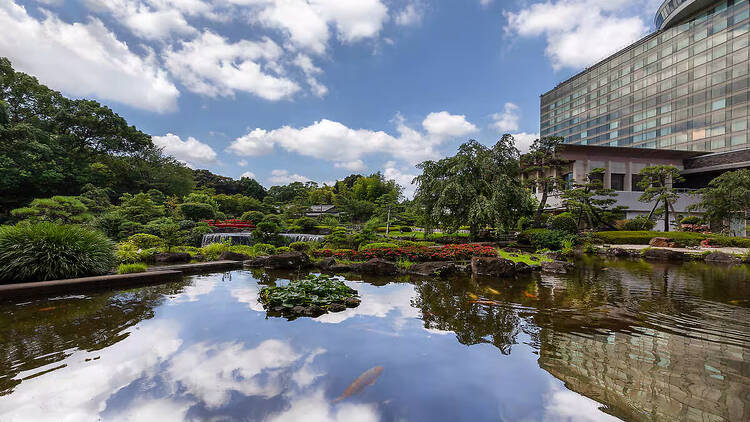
617, 340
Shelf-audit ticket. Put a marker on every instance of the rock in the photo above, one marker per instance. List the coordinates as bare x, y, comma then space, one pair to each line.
557, 267
172, 257
336, 307
522, 267
298, 310
284, 261
434, 269
233, 256
351, 302
314, 311
661, 242
618, 252
376, 266
326, 263
533, 258
664, 255
722, 258
339, 268
496, 267
557, 256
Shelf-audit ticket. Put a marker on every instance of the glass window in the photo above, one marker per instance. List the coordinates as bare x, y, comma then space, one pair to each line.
636, 180
739, 125
739, 139
617, 181
718, 104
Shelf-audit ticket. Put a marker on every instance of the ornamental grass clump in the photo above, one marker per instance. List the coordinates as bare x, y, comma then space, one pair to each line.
49, 251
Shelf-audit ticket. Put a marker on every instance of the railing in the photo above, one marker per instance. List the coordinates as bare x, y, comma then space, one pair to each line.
231, 223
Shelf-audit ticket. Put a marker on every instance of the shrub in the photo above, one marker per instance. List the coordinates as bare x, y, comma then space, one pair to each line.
264, 249
60, 209
691, 219
127, 253
144, 241
550, 239
564, 223
131, 268
212, 251
640, 223
47, 251
305, 224
243, 249
457, 252
378, 245
299, 246
271, 218
643, 237
253, 216
197, 211
283, 249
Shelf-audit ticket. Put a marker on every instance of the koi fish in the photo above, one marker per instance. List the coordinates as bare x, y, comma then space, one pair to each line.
484, 302
529, 295
47, 308
367, 378
472, 296
493, 291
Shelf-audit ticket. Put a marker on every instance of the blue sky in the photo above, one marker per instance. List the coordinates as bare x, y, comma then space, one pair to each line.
285, 90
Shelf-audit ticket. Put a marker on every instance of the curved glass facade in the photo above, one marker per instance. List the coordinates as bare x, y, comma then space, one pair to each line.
683, 88
666, 9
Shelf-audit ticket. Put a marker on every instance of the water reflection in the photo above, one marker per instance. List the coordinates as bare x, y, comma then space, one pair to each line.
617, 339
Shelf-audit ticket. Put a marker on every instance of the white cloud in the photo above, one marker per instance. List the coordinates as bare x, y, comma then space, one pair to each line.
83, 59
242, 163
248, 174
144, 20
190, 150
411, 14
485, 3
213, 66
333, 141
402, 175
356, 165
578, 32
446, 125
524, 140
305, 63
283, 177
508, 120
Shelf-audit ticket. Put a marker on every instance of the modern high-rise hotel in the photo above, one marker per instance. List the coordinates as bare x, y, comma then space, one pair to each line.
679, 96
683, 87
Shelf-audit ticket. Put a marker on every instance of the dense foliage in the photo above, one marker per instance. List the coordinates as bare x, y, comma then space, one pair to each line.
460, 252
317, 290
47, 251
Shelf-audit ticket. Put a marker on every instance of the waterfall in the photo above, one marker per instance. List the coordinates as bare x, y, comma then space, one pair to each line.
300, 237
234, 238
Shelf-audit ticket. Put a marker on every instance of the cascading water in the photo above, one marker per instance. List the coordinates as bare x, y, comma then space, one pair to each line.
246, 239
301, 237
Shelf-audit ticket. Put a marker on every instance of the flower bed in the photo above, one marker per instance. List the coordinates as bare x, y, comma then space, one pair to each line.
460, 252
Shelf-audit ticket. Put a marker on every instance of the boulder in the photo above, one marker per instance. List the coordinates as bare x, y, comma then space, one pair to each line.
495, 267
620, 252
662, 242
284, 261
555, 255
233, 256
339, 268
172, 257
522, 267
326, 263
722, 258
351, 302
557, 267
336, 307
376, 266
434, 269
664, 255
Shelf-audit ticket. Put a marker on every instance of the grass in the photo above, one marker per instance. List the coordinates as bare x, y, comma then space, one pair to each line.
524, 257
404, 264
49, 251
131, 268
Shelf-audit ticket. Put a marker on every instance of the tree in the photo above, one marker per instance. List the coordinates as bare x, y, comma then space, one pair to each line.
658, 184
590, 202
477, 187
60, 209
139, 208
726, 197
542, 162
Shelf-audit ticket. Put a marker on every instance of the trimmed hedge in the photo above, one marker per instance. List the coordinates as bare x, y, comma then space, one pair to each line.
378, 245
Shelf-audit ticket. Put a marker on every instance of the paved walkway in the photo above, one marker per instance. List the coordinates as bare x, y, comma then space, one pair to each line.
738, 251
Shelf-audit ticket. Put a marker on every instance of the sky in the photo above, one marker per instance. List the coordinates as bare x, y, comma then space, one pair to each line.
300, 90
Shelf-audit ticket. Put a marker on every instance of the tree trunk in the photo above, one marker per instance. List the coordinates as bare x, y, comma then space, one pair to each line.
540, 209
666, 216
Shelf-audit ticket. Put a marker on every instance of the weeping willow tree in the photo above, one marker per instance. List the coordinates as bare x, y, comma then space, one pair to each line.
478, 187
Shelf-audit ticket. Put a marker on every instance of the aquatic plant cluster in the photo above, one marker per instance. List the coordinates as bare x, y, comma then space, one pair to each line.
459, 252
311, 296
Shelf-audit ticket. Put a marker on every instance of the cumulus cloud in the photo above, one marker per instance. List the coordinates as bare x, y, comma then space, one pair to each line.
83, 59
248, 174
578, 32
190, 150
213, 66
356, 165
157, 21
508, 120
524, 140
402, 175
334, 141
411, 14
283, 177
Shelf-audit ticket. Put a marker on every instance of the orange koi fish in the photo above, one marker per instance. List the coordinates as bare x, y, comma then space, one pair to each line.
493, 291
472, 296
367, 378
529, 295
47, 308
485, 302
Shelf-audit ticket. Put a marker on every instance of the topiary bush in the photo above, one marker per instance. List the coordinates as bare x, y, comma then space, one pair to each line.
144, 241
49, 251
640, 223
299, 246
564, 223
691, 219
253, 216
264, 249
197, 211
283, 249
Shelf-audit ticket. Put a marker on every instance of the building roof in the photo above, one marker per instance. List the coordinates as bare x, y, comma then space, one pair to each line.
321, 208
632, 152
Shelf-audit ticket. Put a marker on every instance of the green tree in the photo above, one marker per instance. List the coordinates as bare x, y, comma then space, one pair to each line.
477, 187
59, 209
541, 163
591, 202
726, 197
139, 208
658, 184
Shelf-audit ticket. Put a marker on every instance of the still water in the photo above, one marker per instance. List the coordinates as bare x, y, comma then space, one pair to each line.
618, 340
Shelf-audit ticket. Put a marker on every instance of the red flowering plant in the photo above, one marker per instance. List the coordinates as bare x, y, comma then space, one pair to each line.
459, 252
